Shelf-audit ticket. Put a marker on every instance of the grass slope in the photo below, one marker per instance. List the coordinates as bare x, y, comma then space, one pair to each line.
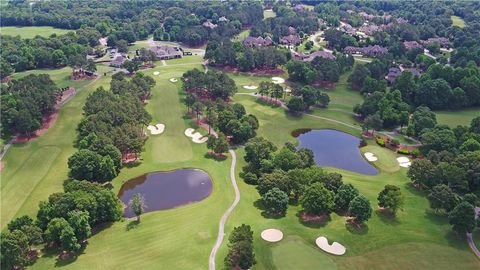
454, 118
32, 31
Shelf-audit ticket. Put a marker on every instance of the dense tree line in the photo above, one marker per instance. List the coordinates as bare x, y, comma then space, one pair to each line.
450, 173
305, 97
112, 127
26, 101
319, 69
210, 85
224, 52
64, 222
289, 175
19, 54
131, 21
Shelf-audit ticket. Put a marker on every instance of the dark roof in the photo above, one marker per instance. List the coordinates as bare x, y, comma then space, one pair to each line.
369, 50
291, 40
412, 45
313, 55
257, 41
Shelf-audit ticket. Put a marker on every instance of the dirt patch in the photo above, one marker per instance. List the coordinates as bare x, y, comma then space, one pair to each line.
48, 120
129, 157
1, 165
313, 218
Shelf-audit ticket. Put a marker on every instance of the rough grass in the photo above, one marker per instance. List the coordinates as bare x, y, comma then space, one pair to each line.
32, 31
242, 35
269, 14
454, 118
457, 21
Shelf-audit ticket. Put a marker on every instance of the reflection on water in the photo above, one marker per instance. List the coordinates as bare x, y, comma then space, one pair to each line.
165, 190
334, 148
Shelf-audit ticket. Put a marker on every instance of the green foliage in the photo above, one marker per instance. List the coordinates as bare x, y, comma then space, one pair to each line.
360, 209
380, 141
345, 194
317, 200
213, 84
137, 203
240, 254
14, 247
442, 198
61, 233
462, 218
391, 198
404, 151
275, 201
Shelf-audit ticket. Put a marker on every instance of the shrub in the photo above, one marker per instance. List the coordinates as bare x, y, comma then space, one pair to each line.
404, 151
395, 142
415, 152
380, 142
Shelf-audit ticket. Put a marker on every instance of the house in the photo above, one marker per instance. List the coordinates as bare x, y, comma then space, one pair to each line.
442, 41
209, 24
369, 29
369, 50
309, 57
347, 28
291, 40
257, 41
299, 8
163, 52
410, 45
292, 30
223, 19
393, 73
118, 60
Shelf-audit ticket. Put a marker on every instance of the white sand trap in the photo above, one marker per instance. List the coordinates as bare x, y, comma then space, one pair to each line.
278, 80
250, 87
335, 248
272, 235
173, 80
156, 73
287, 90
196, 136
157, 129
404, 162
370, 156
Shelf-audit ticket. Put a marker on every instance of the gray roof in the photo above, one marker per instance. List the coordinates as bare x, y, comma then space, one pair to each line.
291, 40
257, 41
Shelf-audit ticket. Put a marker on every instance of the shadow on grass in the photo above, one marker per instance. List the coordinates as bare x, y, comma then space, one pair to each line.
359, 229
63, 259
265, 213
456, 240
133, 164
313, 221
415, 191
387, 217
215, 157
439, 218
132, 224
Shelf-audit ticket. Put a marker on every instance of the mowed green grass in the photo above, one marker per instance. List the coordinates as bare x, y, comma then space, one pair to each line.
384, 244
36, 169
240, 37
455, 118
60, 76
32, 31
179, 238
269, 14
457, 21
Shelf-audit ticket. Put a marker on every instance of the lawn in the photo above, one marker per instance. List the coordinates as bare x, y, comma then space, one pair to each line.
457, 21
269, 14
32, 31
60, 76
240, 37
460, 117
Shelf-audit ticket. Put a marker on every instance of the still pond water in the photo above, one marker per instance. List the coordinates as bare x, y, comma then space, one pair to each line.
165, 190
334, 148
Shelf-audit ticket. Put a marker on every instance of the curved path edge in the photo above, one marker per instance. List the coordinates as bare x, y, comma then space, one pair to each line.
221, 225
470, 241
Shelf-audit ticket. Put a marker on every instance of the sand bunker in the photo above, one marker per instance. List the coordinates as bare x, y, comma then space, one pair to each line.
335, 248
278, 80
157, 129
272, 235
173, 80
404, 162
370, 156
196, 136
250, 87
156, 73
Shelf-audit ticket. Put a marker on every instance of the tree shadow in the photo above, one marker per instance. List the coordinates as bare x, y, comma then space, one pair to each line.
359, 229
132, 224
265, 213
415, 191
219, 158
456, 240
100, 227
439, 218
387, 217
313, 221
63, 259
132, 164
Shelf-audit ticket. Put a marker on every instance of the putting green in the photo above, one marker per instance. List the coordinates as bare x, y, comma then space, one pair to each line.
294, 253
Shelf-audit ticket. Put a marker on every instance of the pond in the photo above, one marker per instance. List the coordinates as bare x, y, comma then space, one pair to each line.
334, 148
165, 190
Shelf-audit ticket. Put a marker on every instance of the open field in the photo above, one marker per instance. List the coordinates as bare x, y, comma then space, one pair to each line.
460, 117
457, 21
242, 35
32, 31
